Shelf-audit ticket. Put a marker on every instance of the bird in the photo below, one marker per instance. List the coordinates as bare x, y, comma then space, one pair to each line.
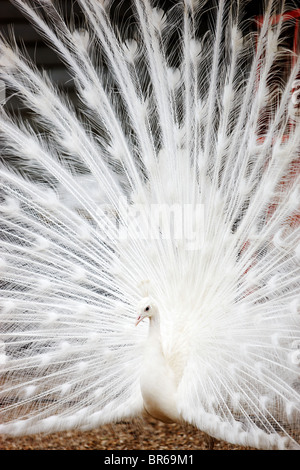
149, 227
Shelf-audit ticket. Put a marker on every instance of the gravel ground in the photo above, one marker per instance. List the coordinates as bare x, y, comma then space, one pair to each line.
148, 434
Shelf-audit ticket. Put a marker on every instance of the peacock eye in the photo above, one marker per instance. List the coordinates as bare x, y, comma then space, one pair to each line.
147, 309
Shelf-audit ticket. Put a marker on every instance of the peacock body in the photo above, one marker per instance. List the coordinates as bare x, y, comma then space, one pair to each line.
171, 193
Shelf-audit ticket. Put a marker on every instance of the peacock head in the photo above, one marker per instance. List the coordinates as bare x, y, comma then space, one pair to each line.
146, 309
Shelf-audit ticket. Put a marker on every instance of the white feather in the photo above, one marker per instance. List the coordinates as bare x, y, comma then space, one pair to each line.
165, 193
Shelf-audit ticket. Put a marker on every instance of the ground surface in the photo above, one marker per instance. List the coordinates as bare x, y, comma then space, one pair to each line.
141, 435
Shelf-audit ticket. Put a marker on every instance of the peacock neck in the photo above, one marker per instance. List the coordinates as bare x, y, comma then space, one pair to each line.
157, 377
153, 343
154, 327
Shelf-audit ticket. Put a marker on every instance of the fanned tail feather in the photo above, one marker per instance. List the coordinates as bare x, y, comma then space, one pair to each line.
172, 125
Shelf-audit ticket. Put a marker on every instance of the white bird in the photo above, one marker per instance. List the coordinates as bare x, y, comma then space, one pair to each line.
169, 194
157, 375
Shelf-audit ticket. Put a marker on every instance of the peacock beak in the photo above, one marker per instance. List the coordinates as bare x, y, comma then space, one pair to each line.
139, 318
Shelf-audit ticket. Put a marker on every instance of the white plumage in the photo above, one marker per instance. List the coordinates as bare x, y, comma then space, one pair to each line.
173, 194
